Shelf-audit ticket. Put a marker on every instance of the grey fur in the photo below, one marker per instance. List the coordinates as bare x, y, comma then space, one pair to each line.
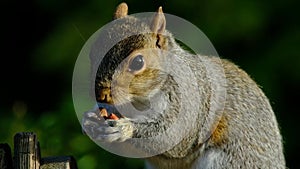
250, 137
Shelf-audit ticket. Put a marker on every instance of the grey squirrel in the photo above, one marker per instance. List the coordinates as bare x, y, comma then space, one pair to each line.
246, 135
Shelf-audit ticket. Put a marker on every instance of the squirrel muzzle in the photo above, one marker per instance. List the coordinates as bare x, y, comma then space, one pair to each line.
105, 96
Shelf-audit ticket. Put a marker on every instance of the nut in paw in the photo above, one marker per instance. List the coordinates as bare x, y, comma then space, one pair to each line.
106, 131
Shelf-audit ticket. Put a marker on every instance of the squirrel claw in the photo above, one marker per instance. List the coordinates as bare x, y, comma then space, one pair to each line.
109, 130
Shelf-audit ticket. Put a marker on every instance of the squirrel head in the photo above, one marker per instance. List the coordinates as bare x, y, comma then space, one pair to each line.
131, 69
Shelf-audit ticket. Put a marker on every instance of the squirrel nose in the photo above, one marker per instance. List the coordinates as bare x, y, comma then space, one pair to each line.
105, 96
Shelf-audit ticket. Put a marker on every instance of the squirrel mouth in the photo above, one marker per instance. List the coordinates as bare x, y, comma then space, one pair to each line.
112, 111
109, 111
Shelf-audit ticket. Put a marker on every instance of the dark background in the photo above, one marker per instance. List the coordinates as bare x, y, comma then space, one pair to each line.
41, 40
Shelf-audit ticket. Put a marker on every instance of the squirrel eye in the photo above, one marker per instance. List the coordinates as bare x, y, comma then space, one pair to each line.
137, 63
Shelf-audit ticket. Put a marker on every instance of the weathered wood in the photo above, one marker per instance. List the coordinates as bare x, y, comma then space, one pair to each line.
63, 162
5, 157
26, 151
27, 155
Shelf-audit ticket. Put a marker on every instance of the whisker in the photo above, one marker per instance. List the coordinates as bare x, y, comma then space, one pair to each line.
80, 34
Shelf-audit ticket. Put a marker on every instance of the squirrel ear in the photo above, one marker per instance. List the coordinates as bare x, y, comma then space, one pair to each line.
158, 24
121, 11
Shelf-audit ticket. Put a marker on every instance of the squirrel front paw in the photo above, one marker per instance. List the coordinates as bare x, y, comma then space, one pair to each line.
106, 130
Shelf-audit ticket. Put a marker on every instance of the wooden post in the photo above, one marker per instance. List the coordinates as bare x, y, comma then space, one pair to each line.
27, 155
26, 151
62, 162
5, 157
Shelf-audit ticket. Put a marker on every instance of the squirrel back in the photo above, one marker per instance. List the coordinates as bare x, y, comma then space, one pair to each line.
137, 68
247, 135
